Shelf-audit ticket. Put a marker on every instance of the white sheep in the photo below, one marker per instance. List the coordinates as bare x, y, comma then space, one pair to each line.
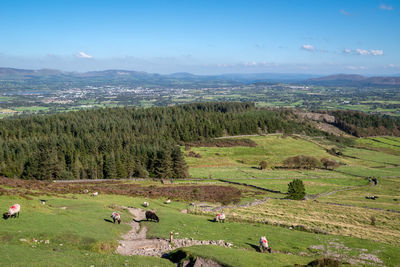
13, 211
168, 201
95, 194
222, 217
264, 244
145, 204
116, 217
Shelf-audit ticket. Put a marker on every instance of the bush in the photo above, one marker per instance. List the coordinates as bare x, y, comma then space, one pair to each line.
296, 190
329, 163
301, 162
263, 165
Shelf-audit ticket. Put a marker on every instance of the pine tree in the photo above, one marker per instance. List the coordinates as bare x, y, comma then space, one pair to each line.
163, 164
179, 167
296, 190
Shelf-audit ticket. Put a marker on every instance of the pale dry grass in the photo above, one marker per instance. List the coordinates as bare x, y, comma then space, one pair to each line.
338, 220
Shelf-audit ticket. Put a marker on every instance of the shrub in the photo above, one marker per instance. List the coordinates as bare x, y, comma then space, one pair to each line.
296, 190
329, 163
301, 162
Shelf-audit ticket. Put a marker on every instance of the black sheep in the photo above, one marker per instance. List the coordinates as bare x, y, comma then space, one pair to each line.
151, 216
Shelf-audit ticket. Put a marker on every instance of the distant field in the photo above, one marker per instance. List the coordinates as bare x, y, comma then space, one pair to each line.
313, 186
272, 148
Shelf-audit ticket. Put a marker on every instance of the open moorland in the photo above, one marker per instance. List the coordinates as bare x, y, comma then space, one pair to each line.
72, 224
349, 215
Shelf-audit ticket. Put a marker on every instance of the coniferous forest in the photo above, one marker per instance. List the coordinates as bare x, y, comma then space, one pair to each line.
126, 142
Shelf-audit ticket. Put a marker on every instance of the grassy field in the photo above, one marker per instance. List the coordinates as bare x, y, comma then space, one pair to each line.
75, 227
79, 235
358, 230
312, 185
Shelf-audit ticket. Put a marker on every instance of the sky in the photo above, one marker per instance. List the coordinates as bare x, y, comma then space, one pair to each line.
202, 36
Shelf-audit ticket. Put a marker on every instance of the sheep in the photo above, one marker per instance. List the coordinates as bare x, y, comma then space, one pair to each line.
146, 204
116, 217
264, 245
220, 217
95, 194
150, 215
168, 201
13, 211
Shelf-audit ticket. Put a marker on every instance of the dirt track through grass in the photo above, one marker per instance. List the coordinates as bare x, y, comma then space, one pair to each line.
135, 241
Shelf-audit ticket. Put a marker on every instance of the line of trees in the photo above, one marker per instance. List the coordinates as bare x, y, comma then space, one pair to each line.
127, 142
361, 124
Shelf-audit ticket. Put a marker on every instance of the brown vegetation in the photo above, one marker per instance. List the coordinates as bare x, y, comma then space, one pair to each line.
223, 143
301, 162
212, 193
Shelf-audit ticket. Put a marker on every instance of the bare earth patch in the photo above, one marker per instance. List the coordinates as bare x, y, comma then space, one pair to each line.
135, 242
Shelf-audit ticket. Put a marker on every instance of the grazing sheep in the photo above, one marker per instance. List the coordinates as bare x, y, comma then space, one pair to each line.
85, 191
220, 217
146, 204
116, 217
168, 201
264, 245
371, 197
95, 194
152, 216
13, 212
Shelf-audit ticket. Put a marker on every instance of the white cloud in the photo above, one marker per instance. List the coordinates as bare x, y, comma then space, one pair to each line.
362, 52
385, 7
356, 67
308, 47
376, 52
372, 52
347, 51
83, 55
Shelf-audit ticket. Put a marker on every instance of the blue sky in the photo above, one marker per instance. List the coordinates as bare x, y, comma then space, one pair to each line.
202, 36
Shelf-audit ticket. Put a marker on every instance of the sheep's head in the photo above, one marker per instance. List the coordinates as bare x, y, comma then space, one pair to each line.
6, 215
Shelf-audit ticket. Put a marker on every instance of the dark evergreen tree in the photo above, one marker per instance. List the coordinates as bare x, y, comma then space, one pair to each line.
296, 190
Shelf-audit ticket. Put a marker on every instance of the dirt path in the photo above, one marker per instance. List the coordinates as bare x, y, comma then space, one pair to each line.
135, 241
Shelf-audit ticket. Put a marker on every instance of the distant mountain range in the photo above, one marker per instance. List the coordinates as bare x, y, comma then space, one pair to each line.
234, 78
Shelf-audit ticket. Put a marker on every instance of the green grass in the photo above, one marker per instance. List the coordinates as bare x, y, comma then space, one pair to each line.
80, 228
373, 156
246, 235
366, 171
313, 185
87, 239
22, 255
31, 109
272, 148
240, 258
